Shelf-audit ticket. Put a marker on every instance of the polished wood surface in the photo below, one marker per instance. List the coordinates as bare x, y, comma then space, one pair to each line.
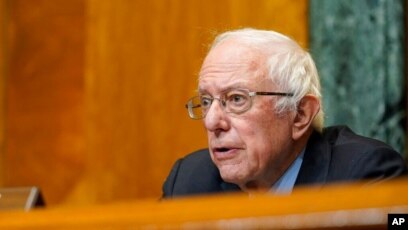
3, 73
348, 206
44, 96
95, 89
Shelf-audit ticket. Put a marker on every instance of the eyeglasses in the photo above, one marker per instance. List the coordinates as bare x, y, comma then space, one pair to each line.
235, 101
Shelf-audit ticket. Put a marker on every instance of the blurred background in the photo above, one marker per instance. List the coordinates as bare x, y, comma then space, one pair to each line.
92, 92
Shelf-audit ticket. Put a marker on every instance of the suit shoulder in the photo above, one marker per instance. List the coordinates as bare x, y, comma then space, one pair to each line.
343, 136
193, 174
199, 164
197, 157
356, 156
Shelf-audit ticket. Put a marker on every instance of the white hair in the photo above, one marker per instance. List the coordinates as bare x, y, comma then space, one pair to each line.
289, 66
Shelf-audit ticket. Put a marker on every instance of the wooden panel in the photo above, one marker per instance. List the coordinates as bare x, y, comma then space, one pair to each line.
45, 88
95, 89
142, 61
334, 207
3, 61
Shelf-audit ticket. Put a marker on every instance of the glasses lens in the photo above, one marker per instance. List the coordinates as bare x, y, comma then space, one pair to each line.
237, 101
195, 109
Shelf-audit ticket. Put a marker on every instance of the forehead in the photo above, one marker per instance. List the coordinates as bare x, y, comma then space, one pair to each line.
231, 65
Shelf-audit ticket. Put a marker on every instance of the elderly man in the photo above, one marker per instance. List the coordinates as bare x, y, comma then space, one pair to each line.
259, 98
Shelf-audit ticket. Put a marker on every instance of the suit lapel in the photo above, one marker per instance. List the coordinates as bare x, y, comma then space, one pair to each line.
315, 166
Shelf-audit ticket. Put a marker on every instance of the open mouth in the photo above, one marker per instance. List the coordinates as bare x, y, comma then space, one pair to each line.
225, 153
222, 150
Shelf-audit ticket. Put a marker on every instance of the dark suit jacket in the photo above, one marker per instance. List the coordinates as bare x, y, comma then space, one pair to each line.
335, 155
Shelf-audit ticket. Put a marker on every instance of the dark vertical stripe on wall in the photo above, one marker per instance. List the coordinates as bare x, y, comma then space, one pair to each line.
359, 51
4, 73
406, 72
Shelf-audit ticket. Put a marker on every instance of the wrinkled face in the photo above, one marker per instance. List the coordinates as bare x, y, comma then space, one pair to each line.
251, 149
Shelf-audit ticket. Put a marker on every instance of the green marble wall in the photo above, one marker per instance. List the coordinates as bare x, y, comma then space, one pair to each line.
358, 46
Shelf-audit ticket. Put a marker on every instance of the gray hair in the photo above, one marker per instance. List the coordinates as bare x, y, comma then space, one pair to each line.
289, 66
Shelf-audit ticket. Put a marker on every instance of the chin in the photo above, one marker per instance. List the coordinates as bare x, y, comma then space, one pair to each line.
233, 174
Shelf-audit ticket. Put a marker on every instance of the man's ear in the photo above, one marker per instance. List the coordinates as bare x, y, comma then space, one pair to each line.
307, 110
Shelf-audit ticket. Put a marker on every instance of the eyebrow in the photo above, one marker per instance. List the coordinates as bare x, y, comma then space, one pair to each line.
238, 85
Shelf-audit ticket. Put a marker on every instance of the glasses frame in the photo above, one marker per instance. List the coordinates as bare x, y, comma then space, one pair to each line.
251, 94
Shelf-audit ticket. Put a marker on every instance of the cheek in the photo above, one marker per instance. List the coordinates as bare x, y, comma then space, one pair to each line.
258, 139
265, 135
258, 129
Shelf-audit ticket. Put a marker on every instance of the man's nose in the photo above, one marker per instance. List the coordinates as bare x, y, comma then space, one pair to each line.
216, 118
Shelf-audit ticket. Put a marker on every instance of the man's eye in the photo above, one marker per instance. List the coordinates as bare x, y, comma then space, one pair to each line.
237, 99
206, 101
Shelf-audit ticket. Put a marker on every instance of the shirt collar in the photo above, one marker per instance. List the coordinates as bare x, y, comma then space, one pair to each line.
286, 182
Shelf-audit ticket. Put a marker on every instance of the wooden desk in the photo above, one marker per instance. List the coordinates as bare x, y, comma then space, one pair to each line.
350, 206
